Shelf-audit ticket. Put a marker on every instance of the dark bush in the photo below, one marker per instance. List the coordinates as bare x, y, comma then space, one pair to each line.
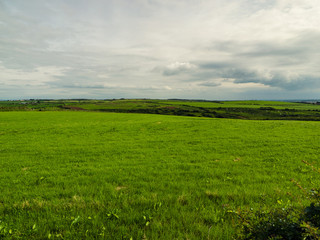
267, 108
283, 222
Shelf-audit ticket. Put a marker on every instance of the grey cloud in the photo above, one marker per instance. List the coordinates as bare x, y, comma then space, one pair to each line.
215, 65
287, 79
239, 74
114, 87
277, 79
289, 65
209, 84
86, 86
291, 51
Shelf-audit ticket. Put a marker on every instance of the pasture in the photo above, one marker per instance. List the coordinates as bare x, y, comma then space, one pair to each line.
97, 175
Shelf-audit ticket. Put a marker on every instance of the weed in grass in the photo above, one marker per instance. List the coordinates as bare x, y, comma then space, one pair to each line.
75, 221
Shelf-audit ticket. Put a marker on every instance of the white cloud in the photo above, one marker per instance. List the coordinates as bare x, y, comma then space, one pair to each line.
39, 76
177, 68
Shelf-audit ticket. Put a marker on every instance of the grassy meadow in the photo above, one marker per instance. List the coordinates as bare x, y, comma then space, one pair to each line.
101, 175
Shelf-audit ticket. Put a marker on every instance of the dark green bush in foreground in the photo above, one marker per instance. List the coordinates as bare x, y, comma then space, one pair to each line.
283, 222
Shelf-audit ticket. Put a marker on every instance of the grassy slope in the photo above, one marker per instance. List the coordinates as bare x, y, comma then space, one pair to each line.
141, 103
134, 175
126, 104
244, 104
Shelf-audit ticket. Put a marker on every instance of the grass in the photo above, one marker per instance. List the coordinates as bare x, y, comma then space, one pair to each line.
93, 175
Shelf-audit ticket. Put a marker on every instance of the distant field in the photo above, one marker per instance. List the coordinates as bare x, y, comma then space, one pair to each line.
250, 110
98, 175
247, 104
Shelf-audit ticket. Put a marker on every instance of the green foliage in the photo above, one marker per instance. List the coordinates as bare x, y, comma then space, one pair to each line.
278, 223
312, 214
282, 222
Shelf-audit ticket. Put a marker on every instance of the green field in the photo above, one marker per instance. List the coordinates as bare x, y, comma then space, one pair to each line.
250, 110
99, 175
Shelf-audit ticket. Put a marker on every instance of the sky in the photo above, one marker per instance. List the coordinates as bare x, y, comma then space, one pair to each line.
191, 49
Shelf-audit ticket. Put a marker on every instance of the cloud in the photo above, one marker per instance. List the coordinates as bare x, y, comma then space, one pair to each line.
287, 80
283, 80
289, 64
178, 68
34, 77
209, 84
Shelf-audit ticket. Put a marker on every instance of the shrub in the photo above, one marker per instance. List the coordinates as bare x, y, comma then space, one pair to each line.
283, 222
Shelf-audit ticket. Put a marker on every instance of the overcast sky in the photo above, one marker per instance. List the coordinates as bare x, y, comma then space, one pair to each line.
199, 49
